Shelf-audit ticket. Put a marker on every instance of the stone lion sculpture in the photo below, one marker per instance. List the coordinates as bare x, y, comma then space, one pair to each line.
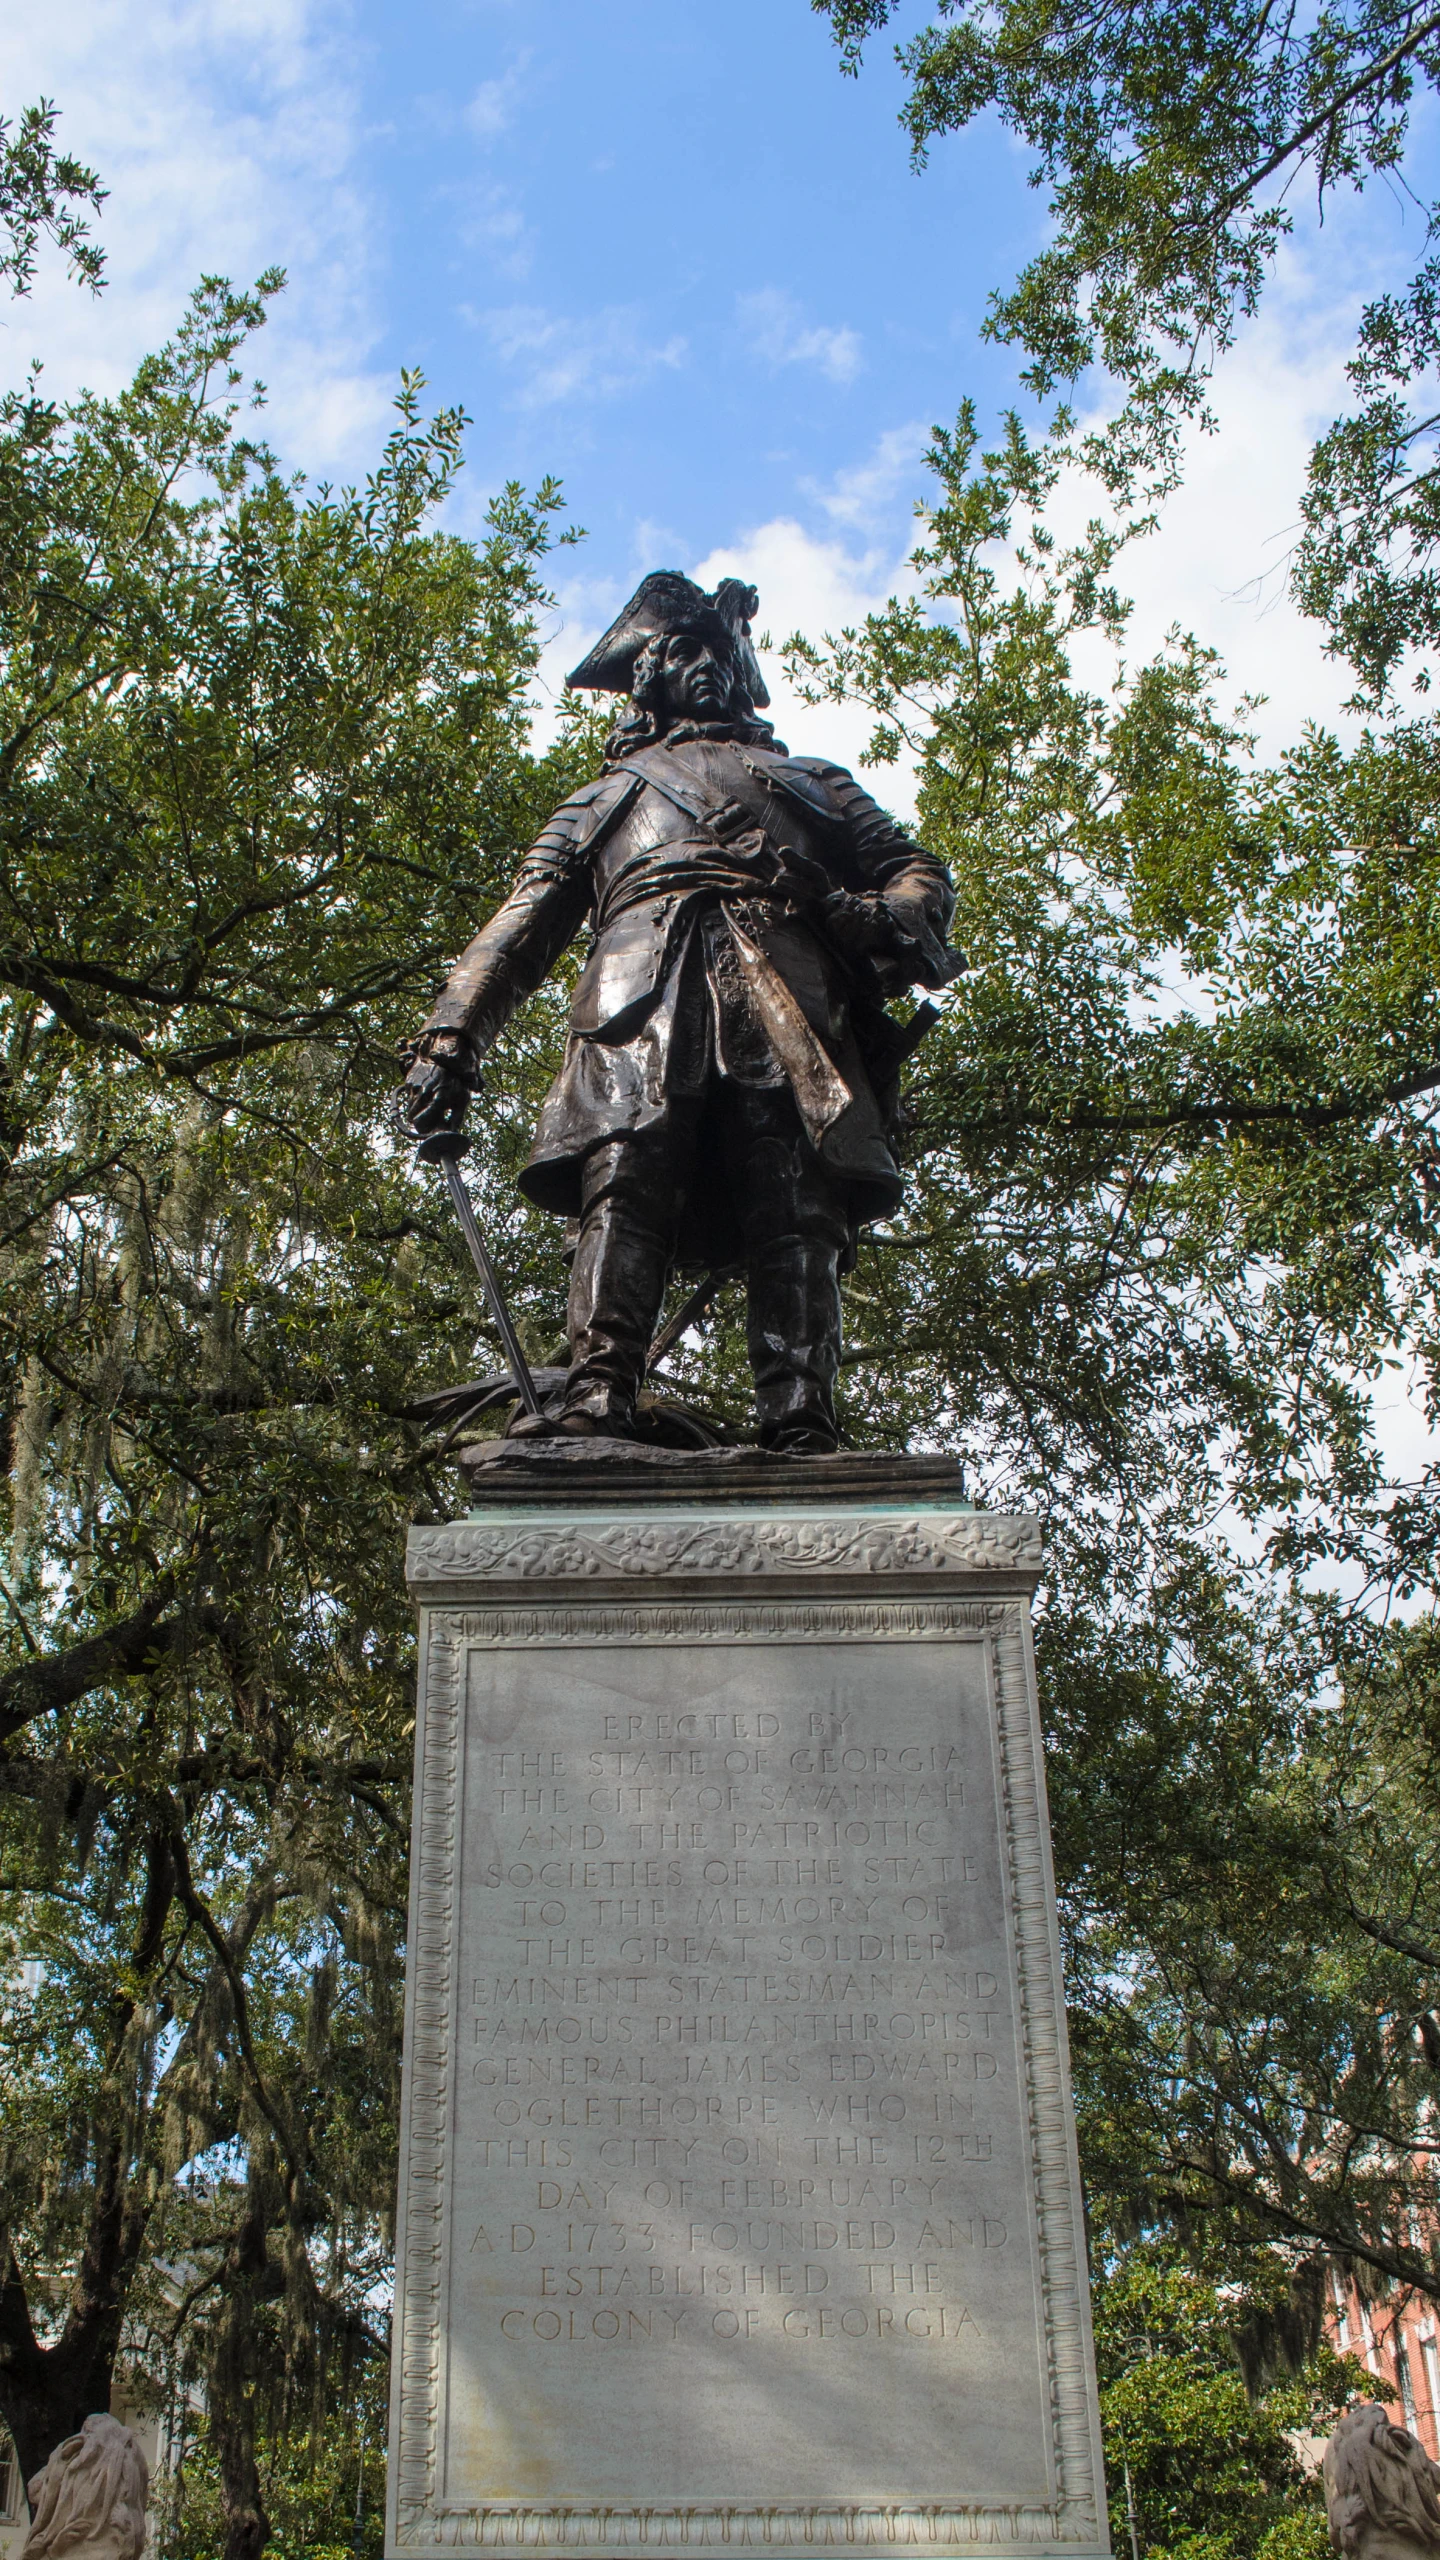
89, 2501
1380, 2489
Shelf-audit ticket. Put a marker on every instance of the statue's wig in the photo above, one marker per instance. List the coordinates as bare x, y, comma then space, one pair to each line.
643, 723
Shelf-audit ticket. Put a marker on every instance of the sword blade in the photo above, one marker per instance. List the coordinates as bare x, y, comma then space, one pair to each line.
515, 1359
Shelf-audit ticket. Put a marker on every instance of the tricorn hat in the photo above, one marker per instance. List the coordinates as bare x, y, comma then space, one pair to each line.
668, 601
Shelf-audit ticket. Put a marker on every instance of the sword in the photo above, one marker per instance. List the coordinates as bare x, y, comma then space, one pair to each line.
445, 1149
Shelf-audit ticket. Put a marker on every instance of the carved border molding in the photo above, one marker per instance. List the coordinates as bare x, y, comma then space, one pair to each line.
664, 2530
1054, 2180
562, 1550
622, 1623
421, 2522
420, 2260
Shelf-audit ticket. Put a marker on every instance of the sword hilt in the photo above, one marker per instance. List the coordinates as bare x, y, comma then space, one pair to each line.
447, 1146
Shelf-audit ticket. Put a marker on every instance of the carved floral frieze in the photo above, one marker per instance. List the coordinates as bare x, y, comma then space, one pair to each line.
561, 1550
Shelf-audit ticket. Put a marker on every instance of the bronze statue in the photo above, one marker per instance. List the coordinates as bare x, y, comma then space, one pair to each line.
729, 1091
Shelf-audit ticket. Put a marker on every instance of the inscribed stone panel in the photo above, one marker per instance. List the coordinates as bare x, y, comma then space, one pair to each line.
741, 2199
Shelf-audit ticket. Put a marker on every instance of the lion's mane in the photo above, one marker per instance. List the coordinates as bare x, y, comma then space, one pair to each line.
90, 2498
1377, 2478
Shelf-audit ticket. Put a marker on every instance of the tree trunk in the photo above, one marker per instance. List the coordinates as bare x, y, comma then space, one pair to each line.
246, 2277
46, 2393
247, 2526
42, 2407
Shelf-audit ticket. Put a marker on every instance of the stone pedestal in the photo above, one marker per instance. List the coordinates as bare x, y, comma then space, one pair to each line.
739, 2200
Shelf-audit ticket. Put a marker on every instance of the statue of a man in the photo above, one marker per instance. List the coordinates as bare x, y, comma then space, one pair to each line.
729, 1086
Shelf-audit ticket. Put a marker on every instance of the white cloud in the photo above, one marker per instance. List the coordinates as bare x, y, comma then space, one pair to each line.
866, 494
807, 582
773, 324
228, 142
812, 585
488, 111
562, 358
491, 108
1219, 564
1216, 567
488, 219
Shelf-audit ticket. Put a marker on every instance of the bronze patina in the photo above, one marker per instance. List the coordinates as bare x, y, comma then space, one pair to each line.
730, 1085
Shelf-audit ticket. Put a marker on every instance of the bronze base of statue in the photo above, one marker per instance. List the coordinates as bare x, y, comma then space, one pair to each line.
539, 1471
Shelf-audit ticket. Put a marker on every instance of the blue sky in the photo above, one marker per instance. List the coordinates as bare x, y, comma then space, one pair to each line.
661, 249
668, 251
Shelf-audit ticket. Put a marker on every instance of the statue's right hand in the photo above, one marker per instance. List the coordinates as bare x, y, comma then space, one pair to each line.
444, 1072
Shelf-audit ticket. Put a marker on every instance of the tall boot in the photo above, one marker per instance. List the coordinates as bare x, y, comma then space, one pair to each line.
793, 1337
795, 1231
630, 1210
617, 1287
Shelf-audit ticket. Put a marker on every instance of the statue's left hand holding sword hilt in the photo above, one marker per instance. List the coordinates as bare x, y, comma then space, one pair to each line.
444, 1073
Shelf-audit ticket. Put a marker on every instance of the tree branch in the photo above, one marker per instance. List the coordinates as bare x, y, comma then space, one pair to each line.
131, 1645
1395, 1938
205, 1920
1304, 133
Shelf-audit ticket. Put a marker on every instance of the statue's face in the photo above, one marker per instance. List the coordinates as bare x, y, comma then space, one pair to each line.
696, 683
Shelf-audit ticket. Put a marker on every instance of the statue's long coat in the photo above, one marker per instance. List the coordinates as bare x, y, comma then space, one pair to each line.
705, 965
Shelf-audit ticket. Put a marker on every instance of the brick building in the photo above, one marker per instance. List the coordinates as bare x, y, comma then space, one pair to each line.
1397, 2340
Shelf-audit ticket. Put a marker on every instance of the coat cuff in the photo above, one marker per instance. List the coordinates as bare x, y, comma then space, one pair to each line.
450, 1021
913, 924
